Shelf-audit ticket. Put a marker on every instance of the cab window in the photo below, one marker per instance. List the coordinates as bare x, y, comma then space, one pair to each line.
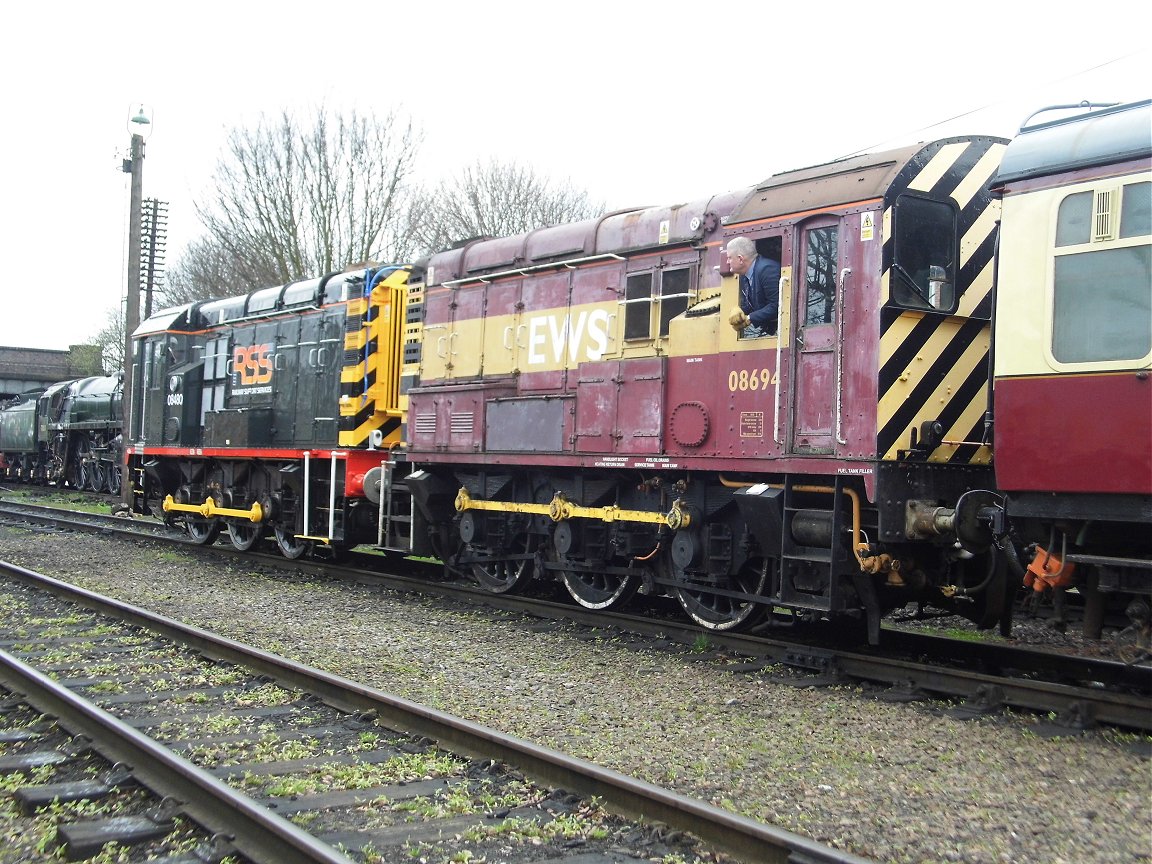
820, 275
653, 298
924, 254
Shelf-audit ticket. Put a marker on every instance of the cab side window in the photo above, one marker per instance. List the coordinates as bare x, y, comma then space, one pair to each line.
924, 254
653, 298
215, 375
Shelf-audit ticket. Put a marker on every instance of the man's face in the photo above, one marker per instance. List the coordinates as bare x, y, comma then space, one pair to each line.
738, 264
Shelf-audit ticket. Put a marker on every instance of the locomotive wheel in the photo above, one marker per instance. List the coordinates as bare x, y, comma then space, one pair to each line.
77, 474
114, 477
290, 547
594, 590
501, 576
97, 476
718, 612
244, 535
203, 531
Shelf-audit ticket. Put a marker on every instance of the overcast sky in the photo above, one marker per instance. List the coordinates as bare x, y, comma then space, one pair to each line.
637, 102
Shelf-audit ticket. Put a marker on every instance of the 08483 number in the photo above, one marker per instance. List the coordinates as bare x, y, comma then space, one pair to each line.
751, 379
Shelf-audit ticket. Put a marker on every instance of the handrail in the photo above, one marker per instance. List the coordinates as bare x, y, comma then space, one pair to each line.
844, 274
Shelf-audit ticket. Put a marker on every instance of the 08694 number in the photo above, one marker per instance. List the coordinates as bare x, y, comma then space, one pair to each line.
751, 379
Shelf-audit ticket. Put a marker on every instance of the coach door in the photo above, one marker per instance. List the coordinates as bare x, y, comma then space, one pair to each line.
817, 346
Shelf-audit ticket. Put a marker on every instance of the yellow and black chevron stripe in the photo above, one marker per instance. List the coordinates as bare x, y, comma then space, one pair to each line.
933, 366
370, 379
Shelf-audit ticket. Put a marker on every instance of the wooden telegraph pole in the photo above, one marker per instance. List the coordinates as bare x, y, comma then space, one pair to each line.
132, 308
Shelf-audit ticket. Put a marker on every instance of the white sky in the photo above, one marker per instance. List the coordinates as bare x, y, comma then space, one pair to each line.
638, 102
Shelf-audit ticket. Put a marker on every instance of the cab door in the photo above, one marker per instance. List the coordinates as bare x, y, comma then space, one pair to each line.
817, 346
286, 365
308, 381
326, 414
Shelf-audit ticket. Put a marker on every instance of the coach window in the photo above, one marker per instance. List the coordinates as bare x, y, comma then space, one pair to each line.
1136, 211
924, 254
1074, 223
1101, 302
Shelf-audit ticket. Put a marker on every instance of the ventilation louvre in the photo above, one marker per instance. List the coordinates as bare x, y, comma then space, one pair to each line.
1104, 219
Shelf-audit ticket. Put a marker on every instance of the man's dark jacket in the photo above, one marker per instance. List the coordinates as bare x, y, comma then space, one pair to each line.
760, 293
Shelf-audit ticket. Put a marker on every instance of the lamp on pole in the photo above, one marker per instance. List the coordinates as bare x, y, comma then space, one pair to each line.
138, 125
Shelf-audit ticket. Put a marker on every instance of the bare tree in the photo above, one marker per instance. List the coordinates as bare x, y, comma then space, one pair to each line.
110, 340
206, 269
291, 200
493, 199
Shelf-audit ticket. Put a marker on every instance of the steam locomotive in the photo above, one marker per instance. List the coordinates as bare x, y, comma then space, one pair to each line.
68, 434
571, 404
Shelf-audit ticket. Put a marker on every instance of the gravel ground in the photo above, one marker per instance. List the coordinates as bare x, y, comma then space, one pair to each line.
891, 782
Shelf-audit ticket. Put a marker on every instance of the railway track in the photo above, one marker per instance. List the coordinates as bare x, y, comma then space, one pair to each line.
981, 677
281, 763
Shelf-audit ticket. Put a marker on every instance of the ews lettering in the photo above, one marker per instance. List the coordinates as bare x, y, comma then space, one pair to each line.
581, 337
253, 363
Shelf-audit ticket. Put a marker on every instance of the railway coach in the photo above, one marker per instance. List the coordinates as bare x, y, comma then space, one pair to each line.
1073, 349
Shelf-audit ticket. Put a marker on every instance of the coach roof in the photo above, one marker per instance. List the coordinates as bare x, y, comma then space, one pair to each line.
1116, 134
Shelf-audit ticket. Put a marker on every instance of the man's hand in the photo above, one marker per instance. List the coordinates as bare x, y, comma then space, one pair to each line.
738, 319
